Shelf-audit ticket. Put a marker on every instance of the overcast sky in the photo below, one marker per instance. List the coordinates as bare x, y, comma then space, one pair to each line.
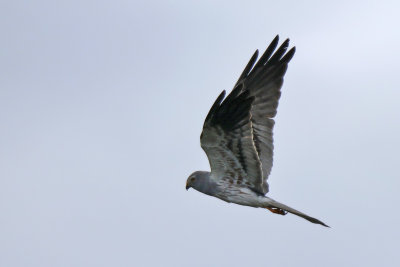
101, 109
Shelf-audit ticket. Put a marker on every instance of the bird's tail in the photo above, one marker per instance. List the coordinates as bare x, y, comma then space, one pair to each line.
277, 205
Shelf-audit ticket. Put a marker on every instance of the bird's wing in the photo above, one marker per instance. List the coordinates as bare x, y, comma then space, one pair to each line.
249, 111
263, 80
227, 139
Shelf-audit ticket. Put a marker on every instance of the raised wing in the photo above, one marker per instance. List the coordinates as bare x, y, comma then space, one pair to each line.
264, 82
239, 130
227, 139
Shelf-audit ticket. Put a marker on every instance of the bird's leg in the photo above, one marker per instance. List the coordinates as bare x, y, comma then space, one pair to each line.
277, 211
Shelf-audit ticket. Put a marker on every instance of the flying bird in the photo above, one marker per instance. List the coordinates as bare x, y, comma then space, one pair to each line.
237, 135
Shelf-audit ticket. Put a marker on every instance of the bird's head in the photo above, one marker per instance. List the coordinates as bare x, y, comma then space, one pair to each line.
196, 180
191, 180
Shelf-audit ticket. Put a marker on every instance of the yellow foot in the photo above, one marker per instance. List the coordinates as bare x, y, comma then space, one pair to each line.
277, 211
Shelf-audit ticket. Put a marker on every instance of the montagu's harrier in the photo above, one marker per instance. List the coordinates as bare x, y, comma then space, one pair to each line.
237, 135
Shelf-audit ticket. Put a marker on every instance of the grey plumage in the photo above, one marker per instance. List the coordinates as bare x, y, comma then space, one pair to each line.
237, 135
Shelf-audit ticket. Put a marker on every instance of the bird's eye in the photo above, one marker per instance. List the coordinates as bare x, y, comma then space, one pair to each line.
192, 179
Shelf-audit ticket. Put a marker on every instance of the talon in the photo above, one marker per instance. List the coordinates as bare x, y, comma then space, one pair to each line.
277, 211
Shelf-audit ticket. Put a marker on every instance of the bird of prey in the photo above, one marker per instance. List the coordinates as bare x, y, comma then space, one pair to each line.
237, 135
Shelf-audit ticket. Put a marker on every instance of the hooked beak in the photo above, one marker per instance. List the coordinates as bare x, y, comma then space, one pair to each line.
187, 187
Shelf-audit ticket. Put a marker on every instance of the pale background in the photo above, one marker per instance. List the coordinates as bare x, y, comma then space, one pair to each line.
101, 108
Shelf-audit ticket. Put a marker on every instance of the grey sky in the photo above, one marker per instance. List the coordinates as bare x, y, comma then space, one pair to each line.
101, 108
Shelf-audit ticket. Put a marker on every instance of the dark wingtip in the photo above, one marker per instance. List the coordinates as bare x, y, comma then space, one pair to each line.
274, 43
254, 56
285, 44
216, 104
289, 55
253, 59
249, 66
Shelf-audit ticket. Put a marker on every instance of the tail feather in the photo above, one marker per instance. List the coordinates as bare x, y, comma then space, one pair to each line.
276, 204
